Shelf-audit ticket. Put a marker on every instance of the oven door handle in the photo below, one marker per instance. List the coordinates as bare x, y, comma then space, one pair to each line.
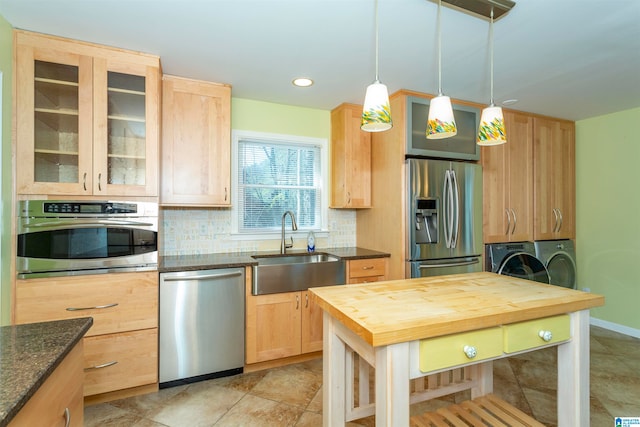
85, 223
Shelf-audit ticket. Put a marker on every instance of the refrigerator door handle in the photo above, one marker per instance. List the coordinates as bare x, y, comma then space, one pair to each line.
455, 223
450, 264
448, 208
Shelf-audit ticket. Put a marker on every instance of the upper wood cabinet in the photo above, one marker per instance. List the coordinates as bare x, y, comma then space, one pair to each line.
555, 179
87, 118
350, 159
196, 143
507, 173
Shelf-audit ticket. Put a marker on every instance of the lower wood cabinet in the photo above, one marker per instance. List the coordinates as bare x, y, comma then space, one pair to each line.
124, 308
58, 401
281, 325
120, 361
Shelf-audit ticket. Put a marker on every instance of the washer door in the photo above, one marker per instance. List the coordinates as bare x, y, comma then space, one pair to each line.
562, 270
524, 266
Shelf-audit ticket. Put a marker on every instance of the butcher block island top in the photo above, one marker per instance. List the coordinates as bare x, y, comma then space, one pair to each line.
391, 312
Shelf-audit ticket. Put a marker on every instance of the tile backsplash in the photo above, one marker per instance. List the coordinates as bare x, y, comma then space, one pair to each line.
202, 231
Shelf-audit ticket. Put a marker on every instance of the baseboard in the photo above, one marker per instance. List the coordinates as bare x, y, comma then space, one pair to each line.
626, 330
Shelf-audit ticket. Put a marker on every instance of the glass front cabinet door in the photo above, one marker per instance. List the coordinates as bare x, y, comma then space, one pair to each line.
87, 119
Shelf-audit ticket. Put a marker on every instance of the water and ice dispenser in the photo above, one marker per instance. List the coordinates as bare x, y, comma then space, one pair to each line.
426, 221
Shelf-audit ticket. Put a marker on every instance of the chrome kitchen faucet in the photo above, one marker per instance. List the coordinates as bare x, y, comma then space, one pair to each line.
294, 227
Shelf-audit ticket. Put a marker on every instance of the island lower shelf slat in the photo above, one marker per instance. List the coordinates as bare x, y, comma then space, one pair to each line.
485, 410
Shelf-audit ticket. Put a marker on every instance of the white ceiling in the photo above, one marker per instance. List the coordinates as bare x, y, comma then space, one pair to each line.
565, 58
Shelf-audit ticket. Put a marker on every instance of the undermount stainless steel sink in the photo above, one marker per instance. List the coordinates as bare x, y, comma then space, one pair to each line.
296, 272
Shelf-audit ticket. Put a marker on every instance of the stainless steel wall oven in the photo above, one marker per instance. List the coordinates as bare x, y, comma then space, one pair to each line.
56, 238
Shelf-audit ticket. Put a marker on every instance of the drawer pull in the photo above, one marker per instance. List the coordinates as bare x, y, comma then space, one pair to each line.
104, 365
368, 268
97, 307
470, 351
545, 335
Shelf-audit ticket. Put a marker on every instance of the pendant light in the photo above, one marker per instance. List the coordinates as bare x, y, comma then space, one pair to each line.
441, 123
376, 113
491, 130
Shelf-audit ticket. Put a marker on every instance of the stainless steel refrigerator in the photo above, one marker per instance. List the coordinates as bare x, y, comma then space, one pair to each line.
444, 228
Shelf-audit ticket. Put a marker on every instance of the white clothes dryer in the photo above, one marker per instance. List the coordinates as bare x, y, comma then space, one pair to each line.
559, 257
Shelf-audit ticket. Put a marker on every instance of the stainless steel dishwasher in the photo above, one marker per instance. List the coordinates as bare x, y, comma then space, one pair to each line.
201, 325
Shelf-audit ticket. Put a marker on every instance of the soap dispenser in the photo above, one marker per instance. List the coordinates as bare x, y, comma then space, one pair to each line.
311, 242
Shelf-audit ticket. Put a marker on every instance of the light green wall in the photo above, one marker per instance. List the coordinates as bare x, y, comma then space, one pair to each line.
261, 116
608, 204
6, 55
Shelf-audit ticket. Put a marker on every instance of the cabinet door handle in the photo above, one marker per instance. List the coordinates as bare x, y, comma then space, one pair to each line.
102, 366
348, 198
96, 307
297, 302
508, 221
67, 417
515, 221
555, 222
560, 216
99, 181
225, 194
306, 303
84, 181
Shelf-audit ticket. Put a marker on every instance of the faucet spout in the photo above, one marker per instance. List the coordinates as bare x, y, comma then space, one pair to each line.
283, 245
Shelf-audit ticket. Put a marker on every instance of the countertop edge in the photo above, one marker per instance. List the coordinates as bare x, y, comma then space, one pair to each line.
26, 394
214, 261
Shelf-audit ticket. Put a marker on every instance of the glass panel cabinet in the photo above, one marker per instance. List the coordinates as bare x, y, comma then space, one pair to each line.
56, 122
87, 119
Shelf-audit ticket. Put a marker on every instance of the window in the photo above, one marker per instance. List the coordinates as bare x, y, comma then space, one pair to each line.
275, 174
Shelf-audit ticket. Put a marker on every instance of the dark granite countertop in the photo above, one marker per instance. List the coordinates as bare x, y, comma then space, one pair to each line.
29, 354
171, 263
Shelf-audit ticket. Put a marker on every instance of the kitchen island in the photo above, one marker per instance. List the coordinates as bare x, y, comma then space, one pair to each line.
413, 328
41, 363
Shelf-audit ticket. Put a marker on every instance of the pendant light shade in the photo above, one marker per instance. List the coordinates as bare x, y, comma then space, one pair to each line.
376, 113
440, 123
492, 130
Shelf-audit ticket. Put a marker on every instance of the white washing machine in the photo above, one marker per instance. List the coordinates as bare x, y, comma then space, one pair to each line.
559, 257
517, 260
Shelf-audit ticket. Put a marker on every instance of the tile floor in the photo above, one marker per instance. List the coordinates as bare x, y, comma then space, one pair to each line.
292, 395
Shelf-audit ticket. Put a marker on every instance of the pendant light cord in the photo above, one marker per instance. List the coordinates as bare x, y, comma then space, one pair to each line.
376, 6
491, 53
439, 51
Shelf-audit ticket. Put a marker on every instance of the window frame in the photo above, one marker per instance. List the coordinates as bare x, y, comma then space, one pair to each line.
323, 143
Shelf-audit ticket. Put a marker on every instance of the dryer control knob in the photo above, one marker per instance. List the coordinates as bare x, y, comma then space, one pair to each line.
545, 335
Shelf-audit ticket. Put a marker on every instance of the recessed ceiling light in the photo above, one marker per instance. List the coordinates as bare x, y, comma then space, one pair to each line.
302, 82
509, 101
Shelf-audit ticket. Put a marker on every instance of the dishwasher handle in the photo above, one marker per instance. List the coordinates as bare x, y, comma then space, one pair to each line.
202, 276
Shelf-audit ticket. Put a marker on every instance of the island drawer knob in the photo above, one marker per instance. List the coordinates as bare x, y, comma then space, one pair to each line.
470, 351
545, 335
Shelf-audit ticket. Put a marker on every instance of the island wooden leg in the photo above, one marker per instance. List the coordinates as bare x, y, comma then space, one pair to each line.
483, 373
573, 374
333, 375
392, 385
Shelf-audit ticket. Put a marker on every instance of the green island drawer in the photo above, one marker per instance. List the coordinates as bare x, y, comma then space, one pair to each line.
449, 350
530, 334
